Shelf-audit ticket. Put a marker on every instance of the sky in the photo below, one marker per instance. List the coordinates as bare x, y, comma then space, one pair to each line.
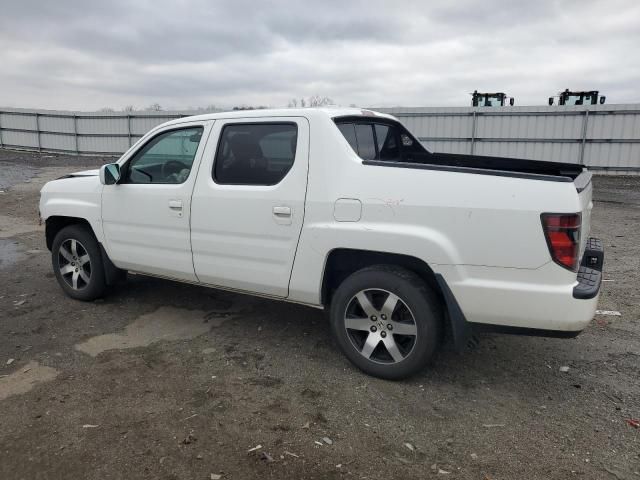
83, 55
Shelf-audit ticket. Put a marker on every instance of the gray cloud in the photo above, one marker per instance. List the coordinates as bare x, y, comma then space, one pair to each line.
86, 55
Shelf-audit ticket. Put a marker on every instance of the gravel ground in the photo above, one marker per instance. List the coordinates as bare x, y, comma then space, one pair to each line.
173, 381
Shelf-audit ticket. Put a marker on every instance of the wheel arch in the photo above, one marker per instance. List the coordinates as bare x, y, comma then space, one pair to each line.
55, 223
342, 262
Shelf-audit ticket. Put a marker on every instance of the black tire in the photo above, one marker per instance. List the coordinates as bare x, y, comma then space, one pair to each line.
418, 310
93, 270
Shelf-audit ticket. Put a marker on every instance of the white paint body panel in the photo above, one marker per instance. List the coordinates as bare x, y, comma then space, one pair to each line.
482, 233
238, 239
143, 232
74, 197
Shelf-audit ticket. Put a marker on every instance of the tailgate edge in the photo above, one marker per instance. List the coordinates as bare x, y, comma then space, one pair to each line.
583, 180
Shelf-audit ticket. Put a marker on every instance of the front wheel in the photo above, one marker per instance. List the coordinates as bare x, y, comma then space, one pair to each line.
77, 263
387, 321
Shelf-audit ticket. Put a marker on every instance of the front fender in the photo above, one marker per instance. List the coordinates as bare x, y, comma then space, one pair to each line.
77, 197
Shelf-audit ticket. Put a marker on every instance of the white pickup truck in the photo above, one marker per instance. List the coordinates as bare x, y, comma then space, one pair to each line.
341, 209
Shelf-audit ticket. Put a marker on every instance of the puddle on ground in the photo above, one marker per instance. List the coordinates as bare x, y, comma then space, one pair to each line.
10, 253
25, 379
166, 323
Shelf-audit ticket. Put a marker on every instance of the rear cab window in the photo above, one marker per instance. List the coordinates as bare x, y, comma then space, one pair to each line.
380, 139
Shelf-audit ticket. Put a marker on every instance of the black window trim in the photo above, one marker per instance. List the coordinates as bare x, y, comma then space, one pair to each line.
373, 136
396, 135
130, 158
230, 122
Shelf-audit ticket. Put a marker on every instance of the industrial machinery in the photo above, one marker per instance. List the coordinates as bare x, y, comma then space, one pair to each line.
490, 99
578, 98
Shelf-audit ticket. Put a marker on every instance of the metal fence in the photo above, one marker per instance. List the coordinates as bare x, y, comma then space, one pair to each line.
603, 137
77, 132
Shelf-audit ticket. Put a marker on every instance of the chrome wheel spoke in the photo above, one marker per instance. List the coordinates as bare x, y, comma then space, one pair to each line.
357, 323
392, 347
66, 254
83, 259
365, 303
404, 328
370, 345
74, 280
66, 269
74, 247
389, 305
84, 277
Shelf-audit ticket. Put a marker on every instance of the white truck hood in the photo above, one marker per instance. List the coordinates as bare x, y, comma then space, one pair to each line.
83, 173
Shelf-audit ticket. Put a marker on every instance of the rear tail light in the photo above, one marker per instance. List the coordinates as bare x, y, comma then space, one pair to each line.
562, 232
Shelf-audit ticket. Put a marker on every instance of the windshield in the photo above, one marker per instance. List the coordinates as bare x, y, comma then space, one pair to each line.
588, 99
490, 101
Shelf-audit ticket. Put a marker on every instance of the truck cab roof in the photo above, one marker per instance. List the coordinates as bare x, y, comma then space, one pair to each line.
312, 112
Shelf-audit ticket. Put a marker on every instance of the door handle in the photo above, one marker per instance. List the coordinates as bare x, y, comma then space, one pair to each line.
282, 215
175, 204
282, 211
176, 208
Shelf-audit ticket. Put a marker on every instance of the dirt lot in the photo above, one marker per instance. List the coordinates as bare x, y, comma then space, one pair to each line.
171, 381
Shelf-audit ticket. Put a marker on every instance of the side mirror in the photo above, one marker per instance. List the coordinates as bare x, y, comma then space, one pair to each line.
602, 99
550, 100
512, 101
109, 174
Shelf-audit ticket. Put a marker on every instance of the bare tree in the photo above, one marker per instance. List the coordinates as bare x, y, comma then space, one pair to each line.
318, 101
129, 109
312, 101
155, 107
250, 107
107, 110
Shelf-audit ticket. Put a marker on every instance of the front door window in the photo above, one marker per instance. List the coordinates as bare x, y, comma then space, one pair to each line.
166, 158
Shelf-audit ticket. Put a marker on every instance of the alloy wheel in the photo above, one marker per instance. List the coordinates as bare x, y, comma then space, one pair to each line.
380, 326
74, 264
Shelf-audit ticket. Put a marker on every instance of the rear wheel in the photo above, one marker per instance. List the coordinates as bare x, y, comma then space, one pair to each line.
77, 263
387, 321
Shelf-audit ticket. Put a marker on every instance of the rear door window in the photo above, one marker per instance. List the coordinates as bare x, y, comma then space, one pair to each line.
255, 153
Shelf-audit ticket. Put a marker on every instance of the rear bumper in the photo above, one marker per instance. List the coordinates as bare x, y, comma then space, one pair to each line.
590, 272
549, 301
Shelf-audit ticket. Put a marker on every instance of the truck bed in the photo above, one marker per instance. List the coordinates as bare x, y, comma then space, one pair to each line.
413, 154
516, 165
498, 166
